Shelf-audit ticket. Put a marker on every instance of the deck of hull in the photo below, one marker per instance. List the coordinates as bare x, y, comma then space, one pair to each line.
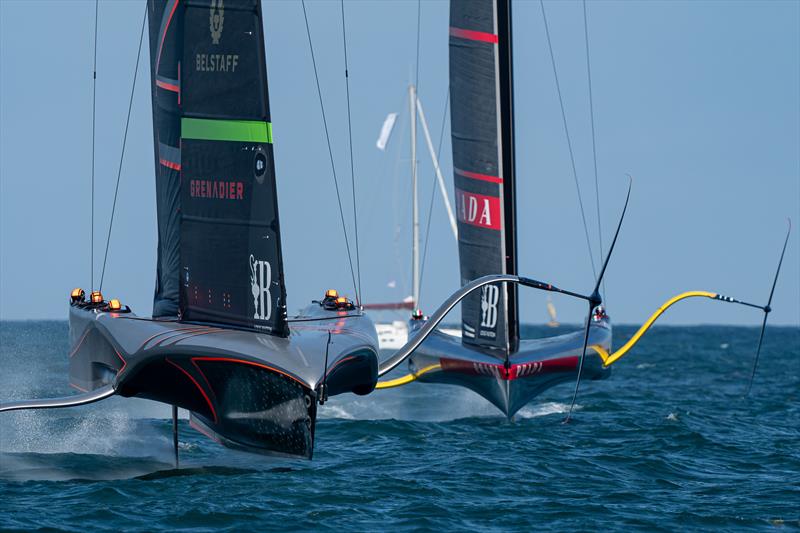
244, 389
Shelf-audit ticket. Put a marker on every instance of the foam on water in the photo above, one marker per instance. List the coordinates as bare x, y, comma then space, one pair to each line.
545, 409
334, 411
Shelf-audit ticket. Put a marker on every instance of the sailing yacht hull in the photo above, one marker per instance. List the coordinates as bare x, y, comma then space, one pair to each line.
246, 390
538, 365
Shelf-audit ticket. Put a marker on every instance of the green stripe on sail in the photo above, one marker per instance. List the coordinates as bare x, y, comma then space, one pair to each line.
226, 130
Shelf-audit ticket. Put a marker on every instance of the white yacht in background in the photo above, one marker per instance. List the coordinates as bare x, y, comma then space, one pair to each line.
392, 335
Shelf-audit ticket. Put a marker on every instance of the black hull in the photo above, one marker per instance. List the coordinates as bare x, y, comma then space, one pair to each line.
246, 390
537, 366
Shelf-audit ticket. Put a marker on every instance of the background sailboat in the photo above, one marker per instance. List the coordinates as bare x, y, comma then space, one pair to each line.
394, 334
551, 311
490, 358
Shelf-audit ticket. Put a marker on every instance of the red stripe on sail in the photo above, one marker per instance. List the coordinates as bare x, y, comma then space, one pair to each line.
476, 176
473, 35
170, 164
166, 28
478, 210
168, 86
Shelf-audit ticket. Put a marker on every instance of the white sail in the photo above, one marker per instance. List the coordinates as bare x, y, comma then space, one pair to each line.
386, 131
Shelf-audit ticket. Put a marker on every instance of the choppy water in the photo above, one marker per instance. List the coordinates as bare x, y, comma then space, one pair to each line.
666, 443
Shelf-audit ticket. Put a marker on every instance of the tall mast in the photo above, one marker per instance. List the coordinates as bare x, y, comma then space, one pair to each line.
506, 105
412, 99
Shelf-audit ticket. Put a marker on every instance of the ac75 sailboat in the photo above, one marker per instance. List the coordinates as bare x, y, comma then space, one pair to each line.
219, 343
489, 357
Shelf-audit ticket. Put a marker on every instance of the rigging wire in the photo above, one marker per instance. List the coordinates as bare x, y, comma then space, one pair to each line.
122, 155
94, 107
416, 62
594, 143
352, 166
330, 150
416, 276
569, 140
433, 191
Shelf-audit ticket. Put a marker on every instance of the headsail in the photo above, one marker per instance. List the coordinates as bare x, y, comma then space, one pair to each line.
230, 265
481, 91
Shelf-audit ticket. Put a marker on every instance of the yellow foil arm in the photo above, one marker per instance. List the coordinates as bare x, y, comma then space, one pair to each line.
610, 359
408, 378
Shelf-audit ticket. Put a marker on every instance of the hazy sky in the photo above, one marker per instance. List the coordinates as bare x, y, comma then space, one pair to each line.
700, 101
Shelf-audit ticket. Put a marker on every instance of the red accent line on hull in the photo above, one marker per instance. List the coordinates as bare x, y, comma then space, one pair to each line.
334, 331
197, 427
190, 332
515, 371
389, 306
339, 362
210, 388
124, 362
80, 342
165, 332
76, 387
251, 363
196, 384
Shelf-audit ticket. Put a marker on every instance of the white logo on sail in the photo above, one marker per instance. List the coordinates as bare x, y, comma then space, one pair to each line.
215, 20
478, 210
490, 296
469, 210
260, 281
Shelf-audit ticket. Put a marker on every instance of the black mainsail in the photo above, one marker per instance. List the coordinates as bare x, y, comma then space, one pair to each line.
482, 129
219, 343
210, 73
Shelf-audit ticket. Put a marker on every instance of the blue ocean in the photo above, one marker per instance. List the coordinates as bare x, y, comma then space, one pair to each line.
668, 442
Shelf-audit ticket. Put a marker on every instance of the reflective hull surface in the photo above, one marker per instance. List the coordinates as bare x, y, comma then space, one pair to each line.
538, 365
246, 390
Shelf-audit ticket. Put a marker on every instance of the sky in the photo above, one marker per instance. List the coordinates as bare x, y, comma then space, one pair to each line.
699, 101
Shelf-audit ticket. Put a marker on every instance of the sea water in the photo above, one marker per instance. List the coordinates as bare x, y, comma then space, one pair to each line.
668, 442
